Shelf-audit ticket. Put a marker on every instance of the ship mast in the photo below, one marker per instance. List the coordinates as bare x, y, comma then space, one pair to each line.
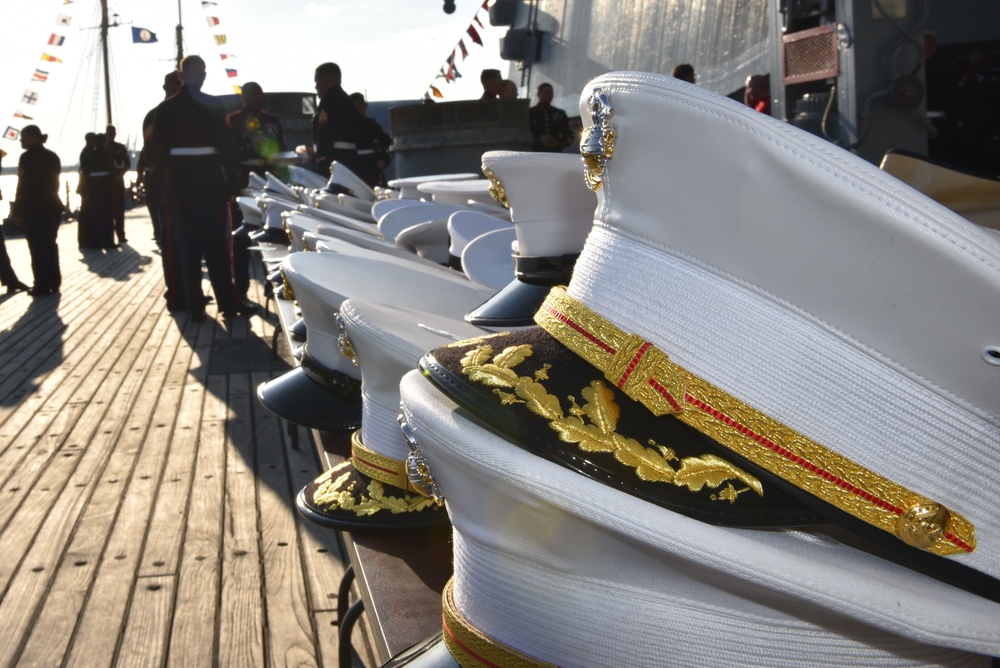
104, 50
180, 32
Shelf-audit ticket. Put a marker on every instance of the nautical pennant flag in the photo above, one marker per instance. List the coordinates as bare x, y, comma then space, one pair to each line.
476, 17
40, 75
436, 92
207, 3
219, 39
56, 40
143, 36
231, 73
486, 4
465, 52
237, 89
224, 56
67, 2
64, 20
12, 133
474, 35
18, 114
50, 59
29, 97
212, 21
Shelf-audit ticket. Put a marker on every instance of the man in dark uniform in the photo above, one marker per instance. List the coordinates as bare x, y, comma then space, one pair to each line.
336, 125
258, 136
492, 82
7, 276
38, 210
152, 187
373, 147
193, 145
122, 163
549, 125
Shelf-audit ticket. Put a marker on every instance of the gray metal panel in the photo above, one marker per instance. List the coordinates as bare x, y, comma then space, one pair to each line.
725, 40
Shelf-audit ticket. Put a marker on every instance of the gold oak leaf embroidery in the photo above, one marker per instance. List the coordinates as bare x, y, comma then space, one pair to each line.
600, 434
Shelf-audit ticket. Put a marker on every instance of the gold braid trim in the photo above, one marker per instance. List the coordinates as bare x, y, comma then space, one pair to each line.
333, 492
471, 648
593, 427
664, 387
379, 467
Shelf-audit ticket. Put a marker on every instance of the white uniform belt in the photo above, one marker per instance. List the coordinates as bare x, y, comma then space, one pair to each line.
195, 150
367, 151
345, 145
99, 174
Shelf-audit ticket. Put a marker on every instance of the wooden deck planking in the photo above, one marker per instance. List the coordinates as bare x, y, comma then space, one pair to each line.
110, 533
135, 464
53, 508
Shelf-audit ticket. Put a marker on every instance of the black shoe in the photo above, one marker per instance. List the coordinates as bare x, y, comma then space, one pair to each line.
246, 306
41, 292
17, 287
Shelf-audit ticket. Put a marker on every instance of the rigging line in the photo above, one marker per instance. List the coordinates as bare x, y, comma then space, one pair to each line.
85, 60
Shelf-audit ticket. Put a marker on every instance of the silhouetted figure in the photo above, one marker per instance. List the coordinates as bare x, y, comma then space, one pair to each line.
373, 146
121, 164
758, 93
84, 231
336, 124
684, 72
549, 125
38, 210
492, 82
98, 165
978, 115
193, 145
151, 180
258, 136
509, 90
7, 276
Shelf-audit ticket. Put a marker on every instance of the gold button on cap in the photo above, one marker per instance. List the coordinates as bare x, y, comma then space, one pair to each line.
923, 523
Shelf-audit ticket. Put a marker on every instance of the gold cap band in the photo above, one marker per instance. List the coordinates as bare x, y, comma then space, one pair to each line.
648, 376
379, 467
473, 649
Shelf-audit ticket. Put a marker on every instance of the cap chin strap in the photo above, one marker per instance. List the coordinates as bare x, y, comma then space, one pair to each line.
648, 376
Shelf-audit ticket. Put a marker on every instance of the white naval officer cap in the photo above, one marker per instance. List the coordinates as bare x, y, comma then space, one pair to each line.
370, 490
832, 334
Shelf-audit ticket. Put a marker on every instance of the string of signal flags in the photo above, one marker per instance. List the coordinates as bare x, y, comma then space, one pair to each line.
52, 49
449, 71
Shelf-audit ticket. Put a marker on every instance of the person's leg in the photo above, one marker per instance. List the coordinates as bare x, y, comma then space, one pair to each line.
185, 252
118, 205
219, 255
7, 276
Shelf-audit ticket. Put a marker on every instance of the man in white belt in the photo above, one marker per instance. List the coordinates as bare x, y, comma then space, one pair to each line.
190, 137
337, 125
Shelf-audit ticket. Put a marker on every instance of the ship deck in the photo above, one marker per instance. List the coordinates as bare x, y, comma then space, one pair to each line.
147, 513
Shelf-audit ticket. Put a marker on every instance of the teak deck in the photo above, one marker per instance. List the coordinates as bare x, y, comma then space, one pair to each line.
146, 499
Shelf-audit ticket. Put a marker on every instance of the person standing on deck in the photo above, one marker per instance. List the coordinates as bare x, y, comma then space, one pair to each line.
149, 178
84, 226
549, 125
337, 125
122, 163
192, 143
7, 276
38, 210
98, 165
373, 149
258, 136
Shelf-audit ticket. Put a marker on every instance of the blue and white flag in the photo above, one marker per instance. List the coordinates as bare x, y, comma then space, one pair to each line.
143, 36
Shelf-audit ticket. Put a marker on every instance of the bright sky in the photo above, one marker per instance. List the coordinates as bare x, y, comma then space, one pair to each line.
389, 49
